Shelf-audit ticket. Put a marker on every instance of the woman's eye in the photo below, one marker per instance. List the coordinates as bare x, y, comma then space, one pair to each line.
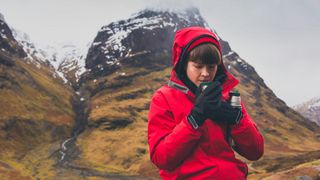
198, 66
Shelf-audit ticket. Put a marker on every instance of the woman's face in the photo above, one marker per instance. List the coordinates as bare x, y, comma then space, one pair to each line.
198, 72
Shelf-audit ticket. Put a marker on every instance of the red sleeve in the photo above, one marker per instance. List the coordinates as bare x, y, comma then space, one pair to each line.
248, 140
169, 143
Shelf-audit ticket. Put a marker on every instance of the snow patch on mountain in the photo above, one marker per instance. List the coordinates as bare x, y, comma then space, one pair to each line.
228, 54
3, 35
61, 56
310, 109
235, 60
317, 104
67, 56
314, 102
314, 105
148, 19
120, 31
33, 54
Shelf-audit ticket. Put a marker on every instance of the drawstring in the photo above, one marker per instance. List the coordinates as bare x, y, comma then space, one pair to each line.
228, 137
178, 87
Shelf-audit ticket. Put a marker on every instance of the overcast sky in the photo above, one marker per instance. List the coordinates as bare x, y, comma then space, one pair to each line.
280, 38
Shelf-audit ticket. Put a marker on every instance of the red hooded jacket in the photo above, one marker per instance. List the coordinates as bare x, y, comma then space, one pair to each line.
179, 150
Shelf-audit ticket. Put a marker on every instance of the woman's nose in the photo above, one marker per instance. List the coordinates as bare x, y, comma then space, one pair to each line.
205, 71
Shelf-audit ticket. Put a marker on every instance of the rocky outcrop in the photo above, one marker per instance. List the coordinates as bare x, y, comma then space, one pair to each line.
8, 44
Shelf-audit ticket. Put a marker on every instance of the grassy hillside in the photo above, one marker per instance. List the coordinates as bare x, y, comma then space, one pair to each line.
35, 116
115, 140
38, 115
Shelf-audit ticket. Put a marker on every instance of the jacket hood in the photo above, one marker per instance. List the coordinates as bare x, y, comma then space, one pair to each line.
185, 40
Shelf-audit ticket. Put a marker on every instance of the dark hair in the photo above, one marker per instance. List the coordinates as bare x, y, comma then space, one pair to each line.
205, 54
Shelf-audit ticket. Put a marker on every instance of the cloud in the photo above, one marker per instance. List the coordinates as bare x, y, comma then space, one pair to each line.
169, 4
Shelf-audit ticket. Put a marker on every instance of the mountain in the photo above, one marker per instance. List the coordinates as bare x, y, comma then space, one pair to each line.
36, 112
67, 59
102, 116
7, 42
122, 43
310, 110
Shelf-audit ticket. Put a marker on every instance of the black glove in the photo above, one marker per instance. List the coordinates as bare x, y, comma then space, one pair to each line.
207, 101
227, 114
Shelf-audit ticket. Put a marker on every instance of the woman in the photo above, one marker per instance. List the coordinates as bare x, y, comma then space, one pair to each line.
189, 125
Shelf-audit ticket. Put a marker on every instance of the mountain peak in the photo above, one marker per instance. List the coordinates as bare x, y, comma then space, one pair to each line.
118, 42
8, 44
312, 102
189, 13
310, 109
2, 18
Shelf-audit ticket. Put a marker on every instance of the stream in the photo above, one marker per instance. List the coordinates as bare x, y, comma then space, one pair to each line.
67, 150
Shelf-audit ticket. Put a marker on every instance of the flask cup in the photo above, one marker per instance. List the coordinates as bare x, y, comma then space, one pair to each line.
235, 99
204, 85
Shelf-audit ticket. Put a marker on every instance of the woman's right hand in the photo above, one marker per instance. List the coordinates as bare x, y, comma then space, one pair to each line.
207, 101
